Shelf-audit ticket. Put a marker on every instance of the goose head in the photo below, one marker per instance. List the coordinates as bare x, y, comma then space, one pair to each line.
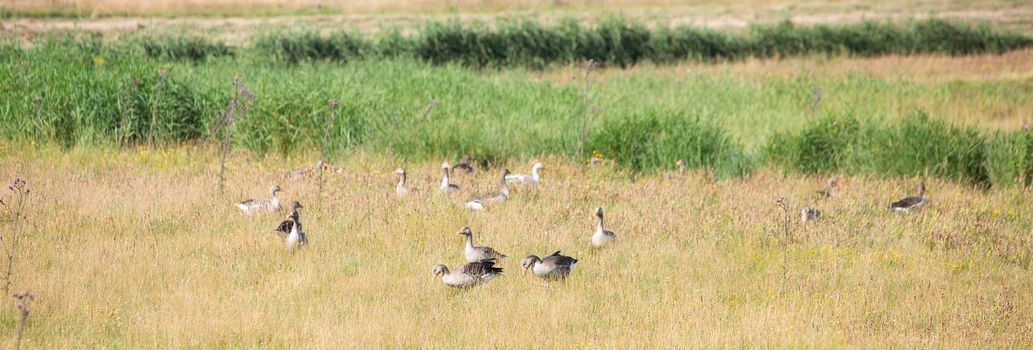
466, 231
505, 172
528, 263
295, 206
440, 270
444, 165
274, 189
537, 166
466, 159
599, 212
400, 171
320, 165
921, 189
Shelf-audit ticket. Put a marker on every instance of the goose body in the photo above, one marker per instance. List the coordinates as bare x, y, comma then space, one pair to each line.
809, 214
479, 202
602, 236
829, 189
446, 184
253, 206
468, 275
300, 172
534, 179
285, 227
465, 165
911, 203
296, 238
474, 253
552, 267
400, 188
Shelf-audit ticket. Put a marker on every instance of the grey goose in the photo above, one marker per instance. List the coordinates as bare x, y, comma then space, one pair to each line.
553, 267
252, 206
478, 202
446, 184
534, 179
474, 253
911, 203
602, 236
468, 275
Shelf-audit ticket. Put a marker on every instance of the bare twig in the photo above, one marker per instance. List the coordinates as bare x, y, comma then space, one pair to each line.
162, 74
816, 102
781, 202
322, 153
238, 107
589, 112
23, 308
19, 192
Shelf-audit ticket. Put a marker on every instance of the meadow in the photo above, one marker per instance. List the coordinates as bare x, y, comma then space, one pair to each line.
139, 249
129, 240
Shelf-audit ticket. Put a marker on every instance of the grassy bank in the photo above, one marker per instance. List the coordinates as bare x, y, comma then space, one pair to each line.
83, 92
613, 42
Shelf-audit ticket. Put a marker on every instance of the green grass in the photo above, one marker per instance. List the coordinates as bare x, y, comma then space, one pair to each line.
78, 91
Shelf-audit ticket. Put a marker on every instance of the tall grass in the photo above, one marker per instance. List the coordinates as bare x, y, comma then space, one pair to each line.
618, 42
718, 123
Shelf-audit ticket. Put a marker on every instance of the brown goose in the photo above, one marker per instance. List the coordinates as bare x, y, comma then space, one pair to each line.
446, 184
808, 214
908, 203
252, 206
829, 190
601, 237
465, 165
473, 253
553, 267
300, 172
478, 202
468, 275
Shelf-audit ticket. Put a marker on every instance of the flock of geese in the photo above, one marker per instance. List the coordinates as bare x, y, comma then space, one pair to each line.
481, 260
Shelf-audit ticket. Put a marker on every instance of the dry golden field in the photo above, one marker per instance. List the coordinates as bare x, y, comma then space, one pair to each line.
137, 249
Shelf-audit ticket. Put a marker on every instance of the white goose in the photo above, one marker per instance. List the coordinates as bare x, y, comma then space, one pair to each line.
478, 202
252, 206
297, 237
474, 253
533, 179
911, 203
400, 188
446, 185
553, 267
601, 237
468, 275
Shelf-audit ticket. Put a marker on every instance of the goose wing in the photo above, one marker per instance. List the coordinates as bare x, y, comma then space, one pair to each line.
464, 166
285, 226
480, 268
518, 177
907, 202
559, 260
490, 253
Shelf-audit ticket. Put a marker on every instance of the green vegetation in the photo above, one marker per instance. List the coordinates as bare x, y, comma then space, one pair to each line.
621, 43
80, 91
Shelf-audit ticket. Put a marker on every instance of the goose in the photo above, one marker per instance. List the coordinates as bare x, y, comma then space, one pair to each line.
829, 189
533, 179
478, 202
601, 237
553, 267
400, 188
465, 164
252, 206
908, 203
446, 185
300, 172
286, 226
468, 275
475, 254
809, 214
297, 237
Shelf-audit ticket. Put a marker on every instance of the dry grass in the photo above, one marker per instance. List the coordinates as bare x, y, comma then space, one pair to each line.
135, 249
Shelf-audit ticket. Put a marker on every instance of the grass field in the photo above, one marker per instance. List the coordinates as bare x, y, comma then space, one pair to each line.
138, 249
128, 243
